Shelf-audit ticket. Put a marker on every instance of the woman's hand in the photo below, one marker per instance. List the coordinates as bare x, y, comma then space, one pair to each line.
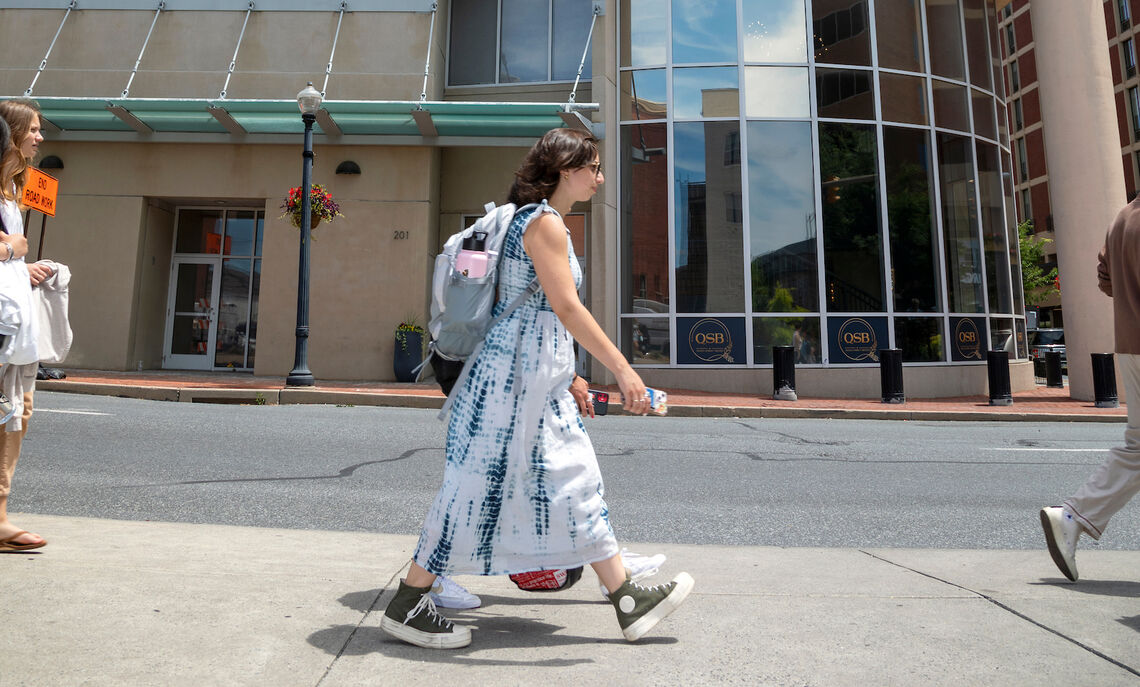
580, 390
634, 398
39, 271
19, 244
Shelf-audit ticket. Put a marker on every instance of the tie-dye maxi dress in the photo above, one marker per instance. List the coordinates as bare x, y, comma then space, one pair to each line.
521, 486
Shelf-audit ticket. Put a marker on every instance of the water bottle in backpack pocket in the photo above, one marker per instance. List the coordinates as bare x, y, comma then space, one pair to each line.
473, 259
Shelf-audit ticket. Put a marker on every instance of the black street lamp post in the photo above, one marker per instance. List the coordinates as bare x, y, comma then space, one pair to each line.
309, 100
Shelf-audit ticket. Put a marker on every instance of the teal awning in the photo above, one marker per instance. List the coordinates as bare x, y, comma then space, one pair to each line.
156, 118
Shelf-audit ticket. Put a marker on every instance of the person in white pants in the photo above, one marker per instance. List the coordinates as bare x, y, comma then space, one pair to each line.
1117, 480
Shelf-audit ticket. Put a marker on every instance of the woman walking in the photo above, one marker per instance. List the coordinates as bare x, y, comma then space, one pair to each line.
521, 487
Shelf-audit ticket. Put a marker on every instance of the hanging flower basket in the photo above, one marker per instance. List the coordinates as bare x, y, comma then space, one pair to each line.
321, 205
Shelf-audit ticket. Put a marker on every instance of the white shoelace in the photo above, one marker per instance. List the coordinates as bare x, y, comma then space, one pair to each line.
433, 614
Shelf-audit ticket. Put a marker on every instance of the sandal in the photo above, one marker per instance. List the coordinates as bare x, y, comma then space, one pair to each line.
9, 545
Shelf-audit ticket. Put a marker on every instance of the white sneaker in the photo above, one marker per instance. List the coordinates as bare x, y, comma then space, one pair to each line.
446, 593
1061, 534
639, 567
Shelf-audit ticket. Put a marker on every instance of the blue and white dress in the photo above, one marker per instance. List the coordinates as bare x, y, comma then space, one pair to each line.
521, 487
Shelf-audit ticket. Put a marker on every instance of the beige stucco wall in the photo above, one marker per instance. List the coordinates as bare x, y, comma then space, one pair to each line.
378, 54
99, 238
468, 179
152, 279
365, 278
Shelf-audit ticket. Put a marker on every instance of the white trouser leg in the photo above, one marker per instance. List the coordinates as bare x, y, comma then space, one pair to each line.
1117, 480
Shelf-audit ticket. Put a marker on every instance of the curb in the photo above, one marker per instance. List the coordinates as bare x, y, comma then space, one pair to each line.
395, 399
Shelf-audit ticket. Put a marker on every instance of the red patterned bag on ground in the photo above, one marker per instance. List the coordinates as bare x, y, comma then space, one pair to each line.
547, 580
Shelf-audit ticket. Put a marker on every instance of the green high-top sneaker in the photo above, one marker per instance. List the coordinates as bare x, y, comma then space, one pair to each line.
640, 608
411, 617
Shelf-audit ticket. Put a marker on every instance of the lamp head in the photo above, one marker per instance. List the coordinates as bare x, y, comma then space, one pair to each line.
309, 100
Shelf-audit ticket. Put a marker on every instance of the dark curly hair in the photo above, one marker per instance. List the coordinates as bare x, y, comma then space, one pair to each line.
558, 149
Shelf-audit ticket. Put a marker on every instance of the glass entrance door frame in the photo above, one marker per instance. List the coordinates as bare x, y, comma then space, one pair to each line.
211, 317
204, 315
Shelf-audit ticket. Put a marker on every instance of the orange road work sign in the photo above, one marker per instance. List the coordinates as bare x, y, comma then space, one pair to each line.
41, 191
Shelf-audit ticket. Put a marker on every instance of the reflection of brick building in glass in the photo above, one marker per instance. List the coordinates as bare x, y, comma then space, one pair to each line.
711, 277
646, 208
1019, 60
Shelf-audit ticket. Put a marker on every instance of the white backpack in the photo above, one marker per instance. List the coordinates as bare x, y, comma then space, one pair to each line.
461, 305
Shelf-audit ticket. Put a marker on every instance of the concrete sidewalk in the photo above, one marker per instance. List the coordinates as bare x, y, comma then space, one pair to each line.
1038, 405
146, 603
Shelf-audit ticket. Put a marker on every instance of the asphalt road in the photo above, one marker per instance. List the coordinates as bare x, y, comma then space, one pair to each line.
831, 483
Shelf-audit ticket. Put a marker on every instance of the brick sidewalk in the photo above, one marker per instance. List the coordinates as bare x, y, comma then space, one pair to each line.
1042, 401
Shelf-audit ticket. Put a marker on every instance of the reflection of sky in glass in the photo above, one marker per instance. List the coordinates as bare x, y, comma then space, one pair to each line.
571, 26
776, 92
774, 31
704, 31
647, 31
781, 185
523, 52
240, 232
689, 84
643, 94
688, 168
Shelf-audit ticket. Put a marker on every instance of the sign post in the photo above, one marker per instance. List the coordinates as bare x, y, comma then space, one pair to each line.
40, 194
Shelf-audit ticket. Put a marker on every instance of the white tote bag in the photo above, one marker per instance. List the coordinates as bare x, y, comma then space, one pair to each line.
16, 314
16, 299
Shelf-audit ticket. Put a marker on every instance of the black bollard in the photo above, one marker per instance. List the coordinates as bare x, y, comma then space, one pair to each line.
890, 375
1104, 380
784, 373
1053, 376
997, 363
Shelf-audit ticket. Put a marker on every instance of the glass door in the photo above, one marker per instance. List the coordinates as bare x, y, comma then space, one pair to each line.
211, 321
192, 314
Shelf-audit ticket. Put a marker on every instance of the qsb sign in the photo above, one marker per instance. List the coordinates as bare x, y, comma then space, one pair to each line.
716, 340
857, 339
40, 192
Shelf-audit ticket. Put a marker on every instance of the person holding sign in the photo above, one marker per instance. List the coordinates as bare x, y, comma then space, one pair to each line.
19, 141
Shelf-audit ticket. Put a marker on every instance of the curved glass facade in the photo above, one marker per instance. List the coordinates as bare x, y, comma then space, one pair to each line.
832, 175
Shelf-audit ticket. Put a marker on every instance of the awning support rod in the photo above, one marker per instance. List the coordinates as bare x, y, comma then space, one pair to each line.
233, 62
43, 63
427, 62
161, 6
336, 37
585, 51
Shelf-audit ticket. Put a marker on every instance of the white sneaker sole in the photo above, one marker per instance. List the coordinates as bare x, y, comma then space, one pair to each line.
456, 604
662, 610
458, 638
1054, 538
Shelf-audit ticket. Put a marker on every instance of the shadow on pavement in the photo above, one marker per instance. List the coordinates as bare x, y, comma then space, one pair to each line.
490, 633
1124, 588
